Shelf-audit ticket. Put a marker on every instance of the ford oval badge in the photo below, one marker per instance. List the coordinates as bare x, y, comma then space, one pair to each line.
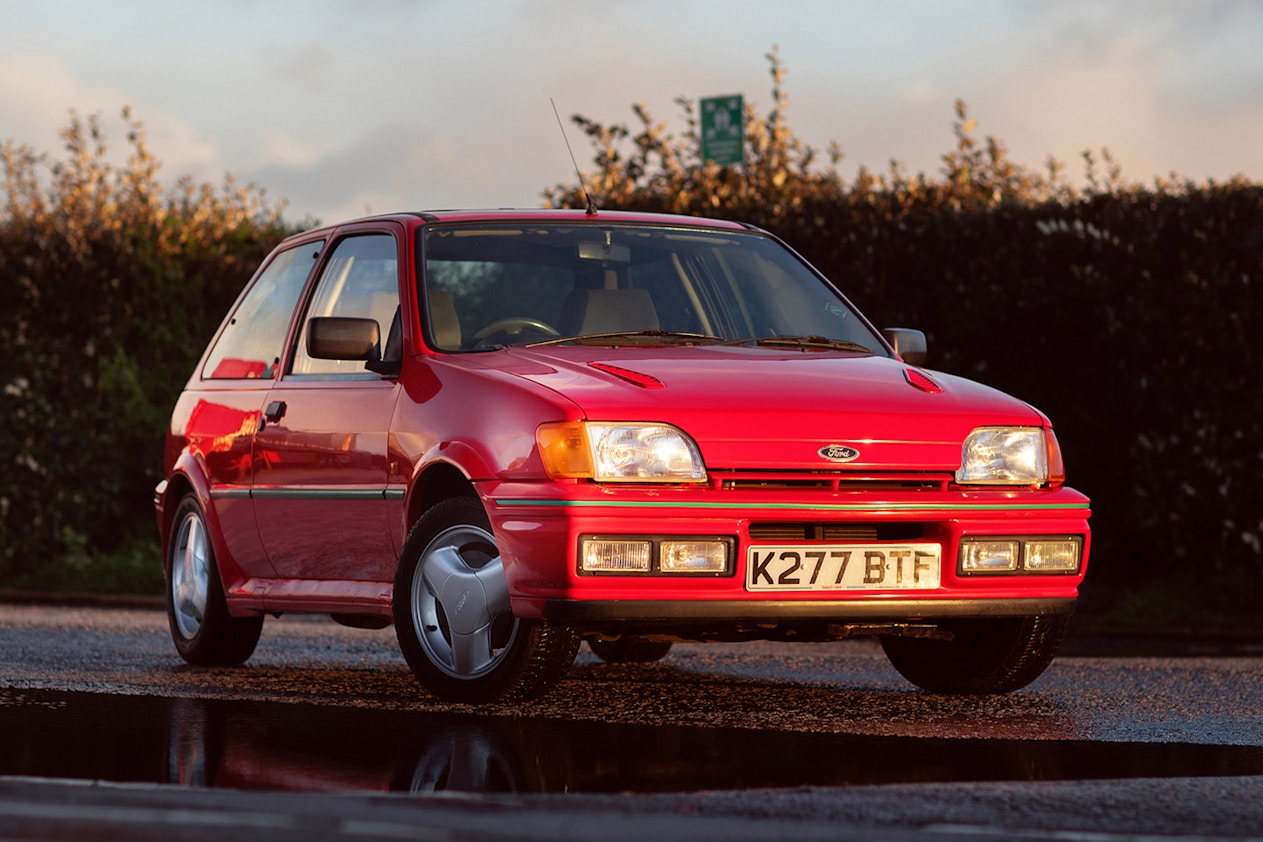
838, 453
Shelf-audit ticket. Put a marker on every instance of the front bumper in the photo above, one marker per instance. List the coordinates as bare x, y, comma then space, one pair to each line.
538, 527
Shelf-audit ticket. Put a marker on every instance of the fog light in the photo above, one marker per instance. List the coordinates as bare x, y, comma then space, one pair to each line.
1051, 556
694, 557
604, 556
988, 556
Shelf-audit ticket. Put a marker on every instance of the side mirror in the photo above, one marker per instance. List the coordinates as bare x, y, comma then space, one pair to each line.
336, 338
908, 343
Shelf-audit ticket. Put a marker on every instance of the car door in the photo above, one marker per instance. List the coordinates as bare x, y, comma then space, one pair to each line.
227, 404
320, 460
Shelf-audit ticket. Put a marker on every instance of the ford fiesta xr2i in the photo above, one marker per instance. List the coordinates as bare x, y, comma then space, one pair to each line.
510, 432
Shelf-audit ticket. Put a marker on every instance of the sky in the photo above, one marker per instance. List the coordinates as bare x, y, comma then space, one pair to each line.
350, 107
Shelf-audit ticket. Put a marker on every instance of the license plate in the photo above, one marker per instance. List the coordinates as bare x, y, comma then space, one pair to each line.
843, 567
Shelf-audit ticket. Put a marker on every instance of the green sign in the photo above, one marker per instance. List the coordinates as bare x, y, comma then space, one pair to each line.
723, 130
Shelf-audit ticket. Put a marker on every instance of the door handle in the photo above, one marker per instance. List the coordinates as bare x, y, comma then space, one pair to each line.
275, 412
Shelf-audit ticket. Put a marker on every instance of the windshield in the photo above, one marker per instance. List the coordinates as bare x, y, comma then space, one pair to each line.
498, 285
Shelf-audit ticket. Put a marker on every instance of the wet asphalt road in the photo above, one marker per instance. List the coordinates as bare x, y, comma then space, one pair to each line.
827, 689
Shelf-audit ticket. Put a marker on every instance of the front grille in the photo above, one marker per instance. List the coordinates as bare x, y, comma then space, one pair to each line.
830, 482
836, 533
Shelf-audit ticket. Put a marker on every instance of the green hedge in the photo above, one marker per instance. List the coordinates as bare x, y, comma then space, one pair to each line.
110, 286
1133, 319
1129, 314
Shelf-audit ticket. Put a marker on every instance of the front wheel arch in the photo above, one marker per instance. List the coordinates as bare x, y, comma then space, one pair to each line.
437, 482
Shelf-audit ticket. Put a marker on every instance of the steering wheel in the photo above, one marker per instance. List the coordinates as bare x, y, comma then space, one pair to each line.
513, 326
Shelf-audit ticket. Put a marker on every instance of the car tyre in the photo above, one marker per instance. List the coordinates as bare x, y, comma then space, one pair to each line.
984, 656
453, 617
629, 649
205, 634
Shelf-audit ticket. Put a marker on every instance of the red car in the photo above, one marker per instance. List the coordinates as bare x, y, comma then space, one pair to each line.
508, 432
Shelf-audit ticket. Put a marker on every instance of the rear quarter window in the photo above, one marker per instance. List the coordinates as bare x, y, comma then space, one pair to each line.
250, 344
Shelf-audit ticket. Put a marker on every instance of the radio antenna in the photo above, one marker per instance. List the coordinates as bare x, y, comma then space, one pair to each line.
587, 197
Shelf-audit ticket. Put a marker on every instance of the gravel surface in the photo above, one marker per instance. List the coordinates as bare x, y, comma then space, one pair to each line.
840, 688
845, 687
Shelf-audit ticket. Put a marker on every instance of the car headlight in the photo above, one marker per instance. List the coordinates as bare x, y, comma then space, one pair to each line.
619, 452
1010, 456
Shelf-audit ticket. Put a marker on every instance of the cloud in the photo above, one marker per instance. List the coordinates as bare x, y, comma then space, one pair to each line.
1163, 91
489, 158
418, 105
279, 148
394, 167
38, 94
310, 67
1170, 87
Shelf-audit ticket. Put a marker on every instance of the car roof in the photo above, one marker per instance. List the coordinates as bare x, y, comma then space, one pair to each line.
418, 218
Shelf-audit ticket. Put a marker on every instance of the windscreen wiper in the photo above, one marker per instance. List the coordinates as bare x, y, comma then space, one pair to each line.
803, 342
653, 336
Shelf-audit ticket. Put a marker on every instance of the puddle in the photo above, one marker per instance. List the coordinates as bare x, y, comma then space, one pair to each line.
274, 746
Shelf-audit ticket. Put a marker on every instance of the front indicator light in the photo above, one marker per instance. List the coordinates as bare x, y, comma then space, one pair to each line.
1056, 465
693, 557
564, 449
989, 556
1051, 556
605, 556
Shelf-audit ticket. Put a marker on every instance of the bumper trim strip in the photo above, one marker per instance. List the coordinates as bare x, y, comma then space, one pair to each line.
804, 506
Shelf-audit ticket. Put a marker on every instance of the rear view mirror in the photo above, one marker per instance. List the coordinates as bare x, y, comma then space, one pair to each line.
337, 338
908, 343
604, 252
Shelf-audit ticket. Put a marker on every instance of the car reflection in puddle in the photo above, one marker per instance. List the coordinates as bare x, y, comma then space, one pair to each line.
279, 746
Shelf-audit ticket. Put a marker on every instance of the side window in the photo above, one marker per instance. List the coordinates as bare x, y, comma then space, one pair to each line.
360, 280
250, 344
